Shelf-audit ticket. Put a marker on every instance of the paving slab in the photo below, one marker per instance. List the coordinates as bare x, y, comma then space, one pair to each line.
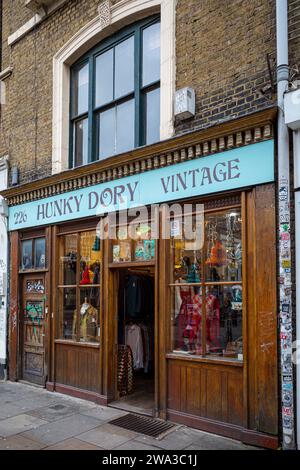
175, 440
18, 442
73, 444
56, 431
55, 411
18, 424
108, 436
135, 445
104, 413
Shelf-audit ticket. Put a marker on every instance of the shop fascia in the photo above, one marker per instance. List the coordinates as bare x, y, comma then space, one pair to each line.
233, 169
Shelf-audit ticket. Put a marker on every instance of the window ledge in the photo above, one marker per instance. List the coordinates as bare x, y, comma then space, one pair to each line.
206, 360
82, 344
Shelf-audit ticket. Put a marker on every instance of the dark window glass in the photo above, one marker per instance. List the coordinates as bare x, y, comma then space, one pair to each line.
81, 90
151, 54
104, 78
124, 68
40, 253
26, 261
107, 125
152, 116
125, 126
81, 142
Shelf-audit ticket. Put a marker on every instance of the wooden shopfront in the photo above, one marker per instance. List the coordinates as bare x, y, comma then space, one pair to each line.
207, 307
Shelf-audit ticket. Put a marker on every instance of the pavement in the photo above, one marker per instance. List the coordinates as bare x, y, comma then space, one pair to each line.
33, 418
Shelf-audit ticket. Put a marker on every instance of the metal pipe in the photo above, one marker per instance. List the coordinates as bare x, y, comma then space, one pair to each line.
285, 287
296, 146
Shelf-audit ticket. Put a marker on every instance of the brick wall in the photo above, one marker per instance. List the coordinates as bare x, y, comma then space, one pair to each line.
221, 49
221, 53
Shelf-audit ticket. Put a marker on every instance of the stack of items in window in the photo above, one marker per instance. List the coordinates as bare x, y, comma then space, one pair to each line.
135, 329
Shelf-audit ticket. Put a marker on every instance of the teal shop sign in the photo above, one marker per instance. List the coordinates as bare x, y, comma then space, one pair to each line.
238, 168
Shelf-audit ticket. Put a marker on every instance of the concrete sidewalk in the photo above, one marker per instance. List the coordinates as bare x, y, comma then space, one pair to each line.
32, 418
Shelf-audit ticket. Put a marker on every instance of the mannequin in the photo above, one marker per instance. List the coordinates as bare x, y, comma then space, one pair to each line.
88, 321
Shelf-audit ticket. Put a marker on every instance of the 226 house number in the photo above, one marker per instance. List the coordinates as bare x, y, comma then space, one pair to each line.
20, 217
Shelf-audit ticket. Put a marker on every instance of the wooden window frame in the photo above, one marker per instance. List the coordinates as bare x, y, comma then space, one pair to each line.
138, 94
33, 239
77, 287
203, 286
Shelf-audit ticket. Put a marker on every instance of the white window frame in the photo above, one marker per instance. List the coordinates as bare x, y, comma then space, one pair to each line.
111, 19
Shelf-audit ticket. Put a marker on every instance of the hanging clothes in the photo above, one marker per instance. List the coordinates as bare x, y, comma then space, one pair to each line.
133, 338
189, 329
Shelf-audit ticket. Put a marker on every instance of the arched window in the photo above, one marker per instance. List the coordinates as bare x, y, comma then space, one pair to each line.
115, 95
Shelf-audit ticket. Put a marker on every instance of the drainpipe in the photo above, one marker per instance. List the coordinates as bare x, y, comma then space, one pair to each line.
296, 146
285, 291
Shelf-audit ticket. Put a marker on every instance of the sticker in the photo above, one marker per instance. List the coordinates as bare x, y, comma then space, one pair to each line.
287, 422
287, 410
286, 264
287, 399
283, 193
285, 236
175, 228
287, 387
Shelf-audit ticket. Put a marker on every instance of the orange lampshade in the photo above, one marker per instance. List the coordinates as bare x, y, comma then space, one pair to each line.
218, 255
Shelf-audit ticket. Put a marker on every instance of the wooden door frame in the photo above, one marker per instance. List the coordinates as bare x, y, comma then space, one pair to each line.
111, 333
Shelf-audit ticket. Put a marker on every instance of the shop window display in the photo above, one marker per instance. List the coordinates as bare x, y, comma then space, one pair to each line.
79, 287
206, 289
133, 243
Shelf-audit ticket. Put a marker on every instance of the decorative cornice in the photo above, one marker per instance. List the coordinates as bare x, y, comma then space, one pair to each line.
233, 134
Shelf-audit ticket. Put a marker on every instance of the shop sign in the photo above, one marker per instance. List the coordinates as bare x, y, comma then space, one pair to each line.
233, 169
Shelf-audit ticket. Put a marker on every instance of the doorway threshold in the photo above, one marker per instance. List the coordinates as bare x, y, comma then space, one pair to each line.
124, 406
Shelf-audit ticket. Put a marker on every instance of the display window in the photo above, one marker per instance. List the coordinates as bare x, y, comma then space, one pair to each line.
206, 286
79, 289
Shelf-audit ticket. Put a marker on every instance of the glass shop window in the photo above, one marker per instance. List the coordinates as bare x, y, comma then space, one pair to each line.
79, 288
33, 254
206, 288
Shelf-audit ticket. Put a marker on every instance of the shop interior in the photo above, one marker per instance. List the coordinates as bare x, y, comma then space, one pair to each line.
135, 371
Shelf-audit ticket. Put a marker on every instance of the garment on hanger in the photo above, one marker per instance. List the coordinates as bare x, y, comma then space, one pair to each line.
189, 326
133, 338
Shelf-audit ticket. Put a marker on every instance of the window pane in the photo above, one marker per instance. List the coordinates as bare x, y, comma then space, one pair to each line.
187, 320
68, 259
151, 54
90, 259
67, 313
107, 133
104, 78
81, 142
89, 314
26, 261
124, 67
223, 258
81, 90
153, 116
187, 249
90, 262
40, 253
125, 126
224, 321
